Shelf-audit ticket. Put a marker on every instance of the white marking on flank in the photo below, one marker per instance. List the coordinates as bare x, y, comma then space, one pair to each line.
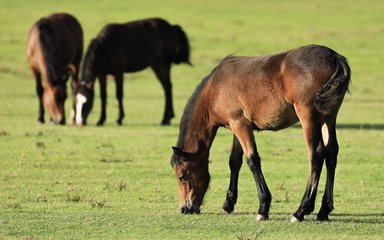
80, 100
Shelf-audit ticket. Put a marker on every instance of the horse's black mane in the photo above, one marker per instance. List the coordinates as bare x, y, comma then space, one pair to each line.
188, 110
91, 59
48, 49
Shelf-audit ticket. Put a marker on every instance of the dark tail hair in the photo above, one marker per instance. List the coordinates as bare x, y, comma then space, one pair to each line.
330, 96
182, 50
48, 49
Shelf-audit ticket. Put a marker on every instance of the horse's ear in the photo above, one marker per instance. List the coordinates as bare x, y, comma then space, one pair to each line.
178, 152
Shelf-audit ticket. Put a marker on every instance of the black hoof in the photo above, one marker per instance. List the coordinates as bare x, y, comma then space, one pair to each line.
228, 206
62, 122
119, 122
166, 122
322, 218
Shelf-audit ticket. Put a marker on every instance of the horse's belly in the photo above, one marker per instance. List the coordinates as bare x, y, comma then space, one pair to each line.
276, 120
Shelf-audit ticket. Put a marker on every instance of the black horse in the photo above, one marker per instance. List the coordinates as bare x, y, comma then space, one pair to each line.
130, 47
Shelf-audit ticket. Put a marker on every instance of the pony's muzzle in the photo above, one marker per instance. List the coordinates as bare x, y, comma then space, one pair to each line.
190, 210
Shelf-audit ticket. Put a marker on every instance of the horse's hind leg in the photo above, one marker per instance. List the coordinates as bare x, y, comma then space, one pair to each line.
331, 151
235, 162
162, 71
244, 134
39, 91
312, 131
103, 96
119, 96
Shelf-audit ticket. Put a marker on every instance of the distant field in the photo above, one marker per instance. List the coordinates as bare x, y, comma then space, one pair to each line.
65, 182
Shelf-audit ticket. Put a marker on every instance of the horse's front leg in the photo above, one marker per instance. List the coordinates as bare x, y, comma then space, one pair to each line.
103, 97
244, 134
235, 162
39, 91
312, 132
119, 96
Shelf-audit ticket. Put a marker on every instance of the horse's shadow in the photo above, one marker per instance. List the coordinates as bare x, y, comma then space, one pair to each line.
354, 126
367, 218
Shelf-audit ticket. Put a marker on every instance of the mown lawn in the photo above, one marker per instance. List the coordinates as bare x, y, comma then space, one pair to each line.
65, 182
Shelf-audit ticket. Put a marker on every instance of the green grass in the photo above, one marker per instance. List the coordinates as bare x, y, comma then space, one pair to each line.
65, 182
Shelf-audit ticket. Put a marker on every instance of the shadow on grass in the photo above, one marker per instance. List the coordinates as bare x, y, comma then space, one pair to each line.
370, 218
367, 218
356, 126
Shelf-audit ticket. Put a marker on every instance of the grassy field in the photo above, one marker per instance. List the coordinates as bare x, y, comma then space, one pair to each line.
65, 182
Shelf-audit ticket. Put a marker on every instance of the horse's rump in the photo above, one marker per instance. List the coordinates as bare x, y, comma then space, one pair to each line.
60, 39
329, 97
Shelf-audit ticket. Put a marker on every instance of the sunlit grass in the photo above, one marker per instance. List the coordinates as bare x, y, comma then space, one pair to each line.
65, 182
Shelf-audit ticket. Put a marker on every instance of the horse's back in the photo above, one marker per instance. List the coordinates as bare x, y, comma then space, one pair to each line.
135, 45
60, 35
263, 91
249, 89
66, 34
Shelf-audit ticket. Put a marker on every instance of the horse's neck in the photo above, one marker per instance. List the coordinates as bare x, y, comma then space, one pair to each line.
199, 133
89, 74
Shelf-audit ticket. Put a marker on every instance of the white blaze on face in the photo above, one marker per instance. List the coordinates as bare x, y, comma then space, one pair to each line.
80, 100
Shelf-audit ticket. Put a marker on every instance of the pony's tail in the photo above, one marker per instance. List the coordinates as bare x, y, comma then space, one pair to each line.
47, 49
330, 96
182, 48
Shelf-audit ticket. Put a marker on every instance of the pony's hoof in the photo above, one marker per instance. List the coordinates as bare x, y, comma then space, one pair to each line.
119, 122
260, 217
322, 218
227, 207
166, 122
294, 219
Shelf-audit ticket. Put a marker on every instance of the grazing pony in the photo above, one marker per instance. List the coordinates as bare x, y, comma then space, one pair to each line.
130, 47
54, 51
272, 92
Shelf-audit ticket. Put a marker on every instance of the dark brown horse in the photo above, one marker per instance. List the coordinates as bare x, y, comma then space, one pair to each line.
131, 47
54, 51
244, 94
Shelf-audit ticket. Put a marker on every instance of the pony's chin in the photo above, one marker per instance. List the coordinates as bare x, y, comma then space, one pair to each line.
190, 210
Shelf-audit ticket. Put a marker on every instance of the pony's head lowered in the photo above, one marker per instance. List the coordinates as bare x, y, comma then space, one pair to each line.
84, 90
192, 177
57, 76
84, 102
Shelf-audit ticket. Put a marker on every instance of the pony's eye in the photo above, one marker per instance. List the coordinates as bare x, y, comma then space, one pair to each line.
182, 178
